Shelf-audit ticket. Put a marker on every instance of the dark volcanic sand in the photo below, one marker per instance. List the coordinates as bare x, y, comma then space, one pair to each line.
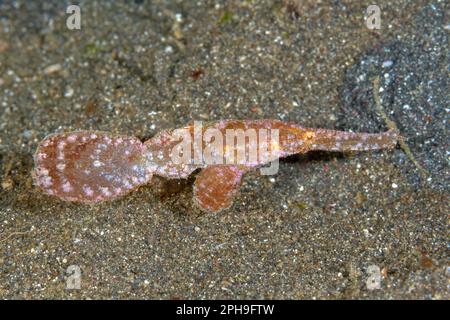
311, 231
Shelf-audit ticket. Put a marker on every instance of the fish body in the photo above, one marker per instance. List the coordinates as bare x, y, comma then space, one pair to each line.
94, 166
270, 139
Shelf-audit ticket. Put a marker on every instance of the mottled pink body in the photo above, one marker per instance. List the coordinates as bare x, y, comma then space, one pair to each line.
91, 166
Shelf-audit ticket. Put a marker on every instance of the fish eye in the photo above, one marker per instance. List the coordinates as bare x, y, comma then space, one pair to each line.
309, 135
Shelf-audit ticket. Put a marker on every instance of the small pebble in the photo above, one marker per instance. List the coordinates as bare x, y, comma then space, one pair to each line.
69, 92
3, 46
7, 184
168, 49
387, 63
52, 68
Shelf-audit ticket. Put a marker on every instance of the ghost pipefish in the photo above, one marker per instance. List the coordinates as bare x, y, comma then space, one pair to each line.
95, 166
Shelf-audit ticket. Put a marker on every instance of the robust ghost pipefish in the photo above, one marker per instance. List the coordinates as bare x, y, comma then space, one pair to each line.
94, 166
